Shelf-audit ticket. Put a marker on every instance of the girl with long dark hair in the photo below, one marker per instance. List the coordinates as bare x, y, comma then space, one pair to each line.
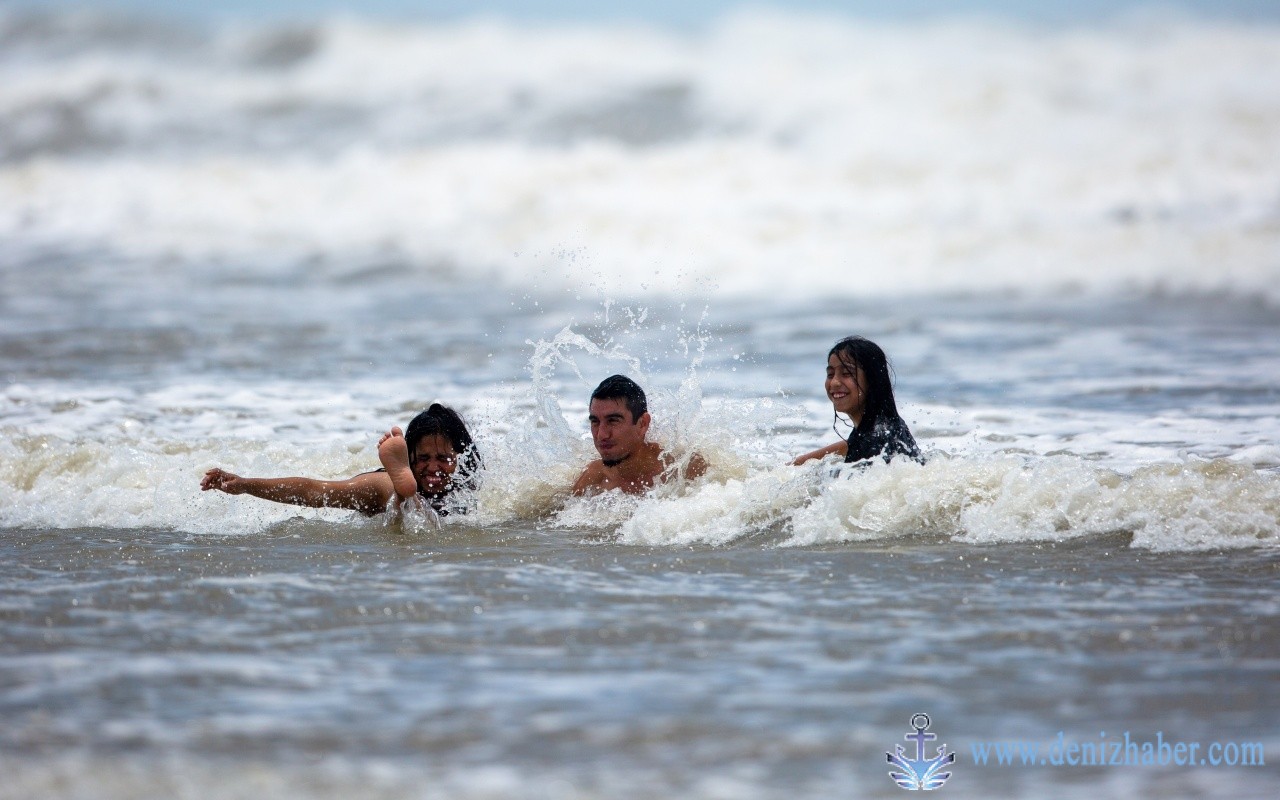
860, 387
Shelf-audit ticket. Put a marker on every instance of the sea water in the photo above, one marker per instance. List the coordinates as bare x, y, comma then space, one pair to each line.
257, 244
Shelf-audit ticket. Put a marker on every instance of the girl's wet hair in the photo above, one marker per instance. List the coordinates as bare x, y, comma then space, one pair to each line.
440, 420
854, 352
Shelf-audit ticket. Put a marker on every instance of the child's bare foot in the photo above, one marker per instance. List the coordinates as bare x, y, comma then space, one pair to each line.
393, 452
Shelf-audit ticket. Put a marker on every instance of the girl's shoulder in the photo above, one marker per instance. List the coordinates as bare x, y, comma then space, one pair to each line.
887, 437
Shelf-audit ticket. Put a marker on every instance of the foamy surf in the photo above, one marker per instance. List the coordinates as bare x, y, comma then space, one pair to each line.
961, 156
992, 501
121, 457
133, 481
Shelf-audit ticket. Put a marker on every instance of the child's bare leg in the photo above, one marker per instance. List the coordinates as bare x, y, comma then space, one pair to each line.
393, 452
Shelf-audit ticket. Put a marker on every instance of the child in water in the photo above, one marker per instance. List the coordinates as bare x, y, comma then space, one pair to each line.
424, 465
859, 386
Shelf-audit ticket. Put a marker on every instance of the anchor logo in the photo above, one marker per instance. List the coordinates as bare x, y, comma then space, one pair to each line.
920, 773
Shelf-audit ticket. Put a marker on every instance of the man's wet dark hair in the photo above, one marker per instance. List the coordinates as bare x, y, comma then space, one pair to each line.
854, 352
620, 387
440, 420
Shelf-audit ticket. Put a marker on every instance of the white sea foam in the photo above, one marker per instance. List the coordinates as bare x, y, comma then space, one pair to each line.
1196, 505
917, 157
129, 459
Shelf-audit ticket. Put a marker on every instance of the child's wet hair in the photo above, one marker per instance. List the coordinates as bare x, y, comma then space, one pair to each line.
440, 420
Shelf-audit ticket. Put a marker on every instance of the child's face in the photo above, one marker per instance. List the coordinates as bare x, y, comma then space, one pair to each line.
846, 389
433, 462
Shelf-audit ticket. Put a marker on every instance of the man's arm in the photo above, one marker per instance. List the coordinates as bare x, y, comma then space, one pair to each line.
367, 493
839, 447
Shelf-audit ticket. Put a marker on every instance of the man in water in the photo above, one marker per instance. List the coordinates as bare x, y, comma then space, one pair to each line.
619, 416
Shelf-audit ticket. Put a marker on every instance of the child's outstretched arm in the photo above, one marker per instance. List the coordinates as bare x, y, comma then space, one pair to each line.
367, 493
839, 447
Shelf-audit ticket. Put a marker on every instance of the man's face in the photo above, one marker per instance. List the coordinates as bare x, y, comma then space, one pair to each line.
615, 433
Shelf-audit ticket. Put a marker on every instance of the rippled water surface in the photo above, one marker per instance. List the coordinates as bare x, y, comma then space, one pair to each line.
545, 664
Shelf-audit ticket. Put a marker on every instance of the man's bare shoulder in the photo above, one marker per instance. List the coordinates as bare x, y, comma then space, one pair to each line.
693, 466
590, 478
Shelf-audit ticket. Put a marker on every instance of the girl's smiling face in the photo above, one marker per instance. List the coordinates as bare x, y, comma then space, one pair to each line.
845, 388
433, 462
